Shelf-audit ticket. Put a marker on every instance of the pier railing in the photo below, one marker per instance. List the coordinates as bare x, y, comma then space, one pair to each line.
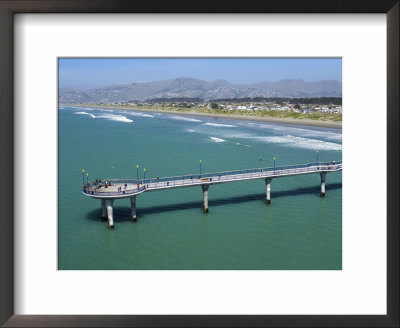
240, 172
242, 175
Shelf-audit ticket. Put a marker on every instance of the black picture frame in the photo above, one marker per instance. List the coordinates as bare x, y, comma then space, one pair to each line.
10, 7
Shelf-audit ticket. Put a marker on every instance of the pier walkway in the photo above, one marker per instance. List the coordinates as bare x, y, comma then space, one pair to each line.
109, 190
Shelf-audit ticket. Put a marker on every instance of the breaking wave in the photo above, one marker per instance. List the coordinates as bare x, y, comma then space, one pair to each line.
214, 139
84, 113
139, 114
301, 142
285, 140
300, 132
222, 125
117, 118
180, 118
82, 108
111, 117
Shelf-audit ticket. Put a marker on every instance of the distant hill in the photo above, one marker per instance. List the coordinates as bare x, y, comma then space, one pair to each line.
184, 87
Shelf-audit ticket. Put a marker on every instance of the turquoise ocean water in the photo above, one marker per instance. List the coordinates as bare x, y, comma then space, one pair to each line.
299, 230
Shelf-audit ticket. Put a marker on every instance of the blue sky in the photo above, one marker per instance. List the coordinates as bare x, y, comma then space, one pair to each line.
96, 72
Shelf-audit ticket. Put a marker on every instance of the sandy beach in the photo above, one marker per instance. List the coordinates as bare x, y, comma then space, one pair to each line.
318, 123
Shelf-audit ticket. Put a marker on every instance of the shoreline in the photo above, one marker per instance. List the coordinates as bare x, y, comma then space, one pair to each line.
289, 121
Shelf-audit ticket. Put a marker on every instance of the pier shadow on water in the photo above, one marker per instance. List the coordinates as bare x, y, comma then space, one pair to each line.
122, 214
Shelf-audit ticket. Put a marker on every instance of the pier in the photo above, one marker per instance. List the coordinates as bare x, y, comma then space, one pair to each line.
112, 189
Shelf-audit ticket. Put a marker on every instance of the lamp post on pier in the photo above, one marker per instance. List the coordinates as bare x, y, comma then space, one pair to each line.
87, 178
137, 171
200, 168
144, 174
317, 157
83, 176
274, 163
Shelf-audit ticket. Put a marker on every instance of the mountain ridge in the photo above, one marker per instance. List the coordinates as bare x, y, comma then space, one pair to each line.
186, 87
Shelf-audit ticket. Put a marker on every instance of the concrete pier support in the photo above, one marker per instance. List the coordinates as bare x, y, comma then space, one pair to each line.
205, 198
109, 204
103, 210
268, 191
133, 208
323, 175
